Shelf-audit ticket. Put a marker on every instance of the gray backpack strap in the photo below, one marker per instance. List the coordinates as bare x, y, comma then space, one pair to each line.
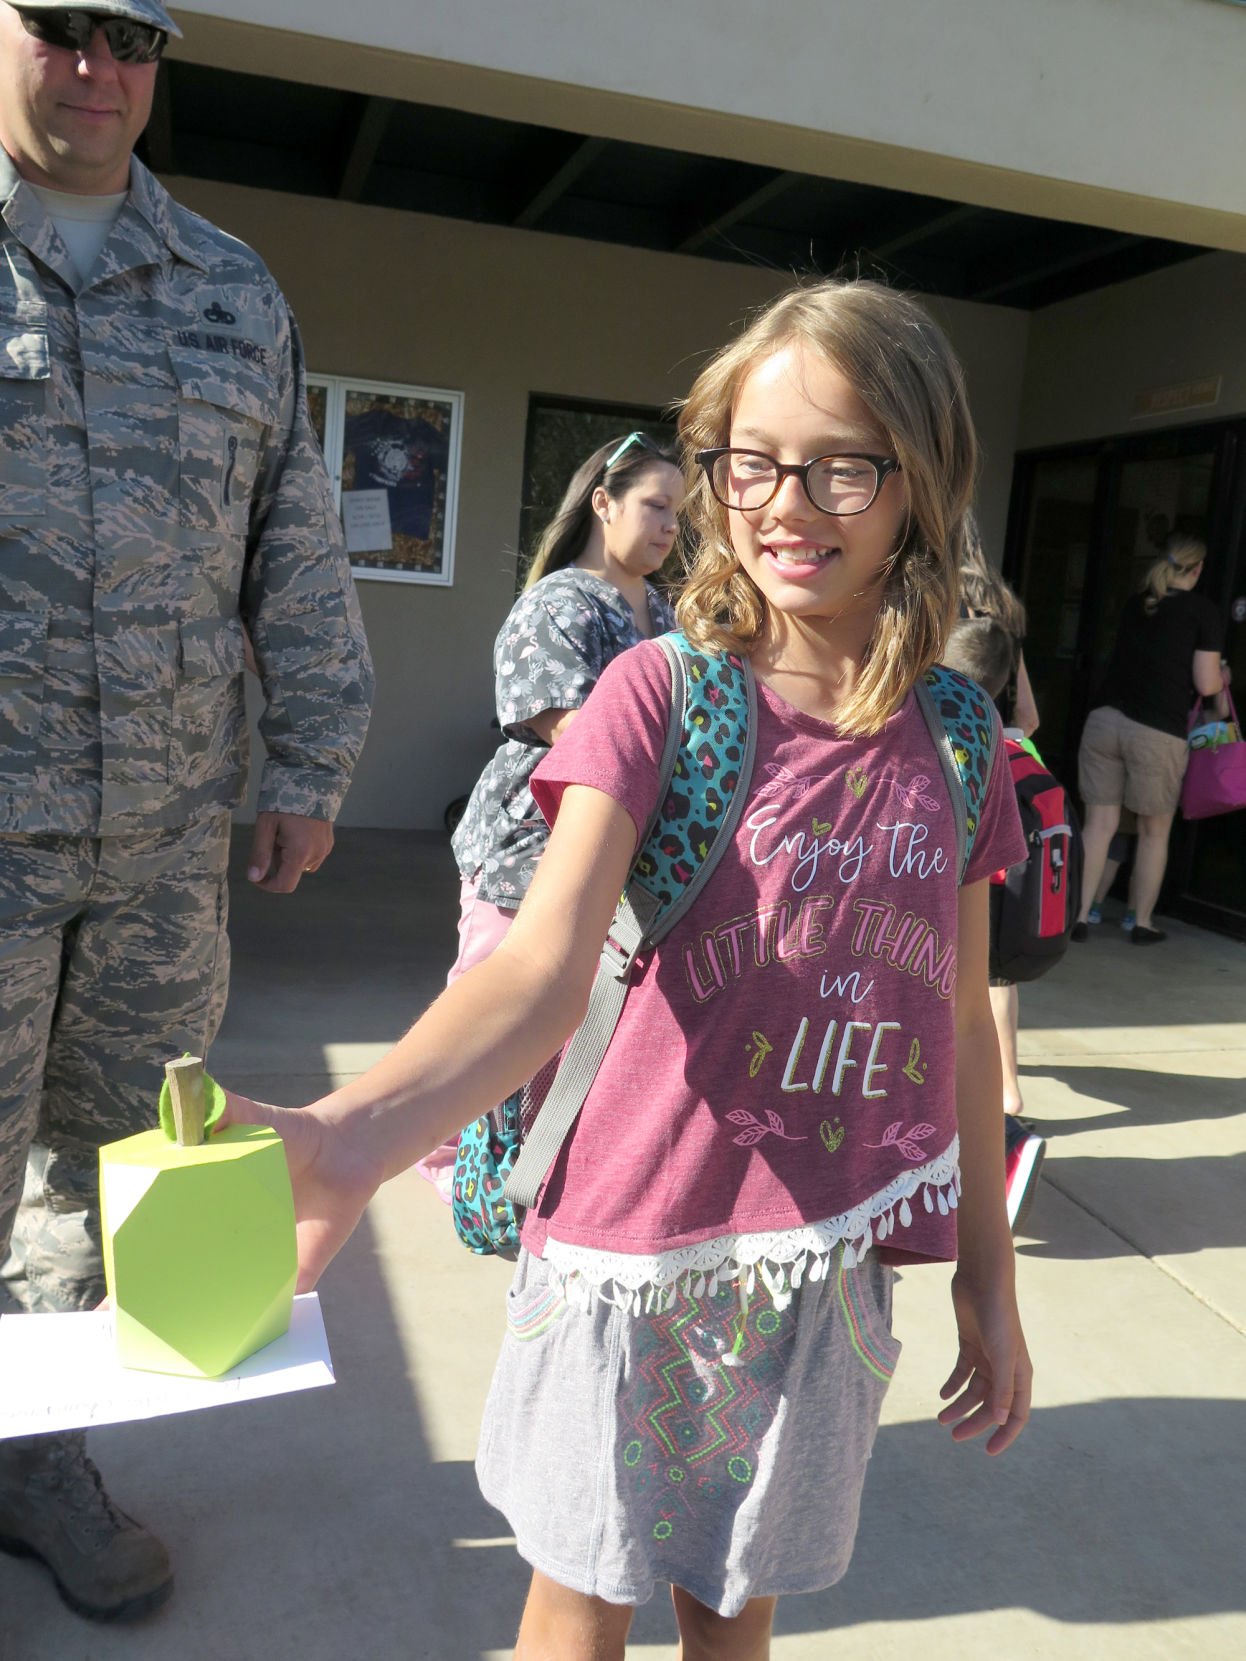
645, 913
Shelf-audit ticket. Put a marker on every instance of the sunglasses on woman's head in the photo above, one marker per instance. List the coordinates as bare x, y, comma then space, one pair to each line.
643, 439
128, 40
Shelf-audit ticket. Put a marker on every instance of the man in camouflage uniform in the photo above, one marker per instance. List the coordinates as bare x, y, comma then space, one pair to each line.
161, 492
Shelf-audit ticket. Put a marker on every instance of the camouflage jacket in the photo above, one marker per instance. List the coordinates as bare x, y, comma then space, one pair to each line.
160, 488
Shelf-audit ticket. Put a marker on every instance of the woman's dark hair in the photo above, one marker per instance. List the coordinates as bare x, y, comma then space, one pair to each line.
616, 467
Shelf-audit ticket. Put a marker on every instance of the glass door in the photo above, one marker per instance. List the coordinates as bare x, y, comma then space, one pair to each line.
1058, 509
1153, 497
1085, 525
1209, 858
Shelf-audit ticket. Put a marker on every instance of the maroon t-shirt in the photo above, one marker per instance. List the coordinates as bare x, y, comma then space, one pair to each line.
785, 1056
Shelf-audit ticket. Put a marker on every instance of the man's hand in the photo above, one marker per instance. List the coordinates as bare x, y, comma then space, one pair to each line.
286, 846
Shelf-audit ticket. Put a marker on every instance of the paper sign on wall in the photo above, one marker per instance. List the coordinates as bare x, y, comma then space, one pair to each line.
365, 517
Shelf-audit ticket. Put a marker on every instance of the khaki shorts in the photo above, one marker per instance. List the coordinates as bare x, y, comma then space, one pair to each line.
1121, 761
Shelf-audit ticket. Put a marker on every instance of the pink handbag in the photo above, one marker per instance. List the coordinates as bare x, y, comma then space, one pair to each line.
1215, 776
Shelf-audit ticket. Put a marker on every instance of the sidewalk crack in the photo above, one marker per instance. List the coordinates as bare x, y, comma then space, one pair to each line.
1157, 1263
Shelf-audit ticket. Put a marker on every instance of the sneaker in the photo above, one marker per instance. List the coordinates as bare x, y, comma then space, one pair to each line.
1080, 933
1023, 1159
1129, 921
1094, 915
53, 1506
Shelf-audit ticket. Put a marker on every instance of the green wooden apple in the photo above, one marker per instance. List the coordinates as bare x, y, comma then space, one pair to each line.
199, 1248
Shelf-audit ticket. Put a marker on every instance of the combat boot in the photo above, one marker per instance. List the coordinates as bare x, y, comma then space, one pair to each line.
53, 1506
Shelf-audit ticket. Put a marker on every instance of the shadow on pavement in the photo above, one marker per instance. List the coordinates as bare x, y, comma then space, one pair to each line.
1091, 1539
1134, 1198
313, 1527
1148, 1097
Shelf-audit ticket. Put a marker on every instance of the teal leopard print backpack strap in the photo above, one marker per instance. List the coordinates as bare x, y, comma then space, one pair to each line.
706, 765
963, 724
713, 731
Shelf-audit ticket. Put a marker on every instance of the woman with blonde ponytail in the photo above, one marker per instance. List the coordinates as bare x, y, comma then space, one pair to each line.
1133, 750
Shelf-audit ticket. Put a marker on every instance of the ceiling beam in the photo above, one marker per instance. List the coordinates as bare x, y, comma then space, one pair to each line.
159, 133
923, 232
582, 157
1053, 268
373, 121
766, 192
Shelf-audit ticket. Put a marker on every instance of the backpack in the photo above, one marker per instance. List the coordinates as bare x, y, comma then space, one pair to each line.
1034, 904
504, 1157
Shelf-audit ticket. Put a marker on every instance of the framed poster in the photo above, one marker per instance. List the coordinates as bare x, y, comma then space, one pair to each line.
393, 454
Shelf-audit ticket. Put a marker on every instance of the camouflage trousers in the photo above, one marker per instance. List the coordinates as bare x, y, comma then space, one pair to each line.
113, 960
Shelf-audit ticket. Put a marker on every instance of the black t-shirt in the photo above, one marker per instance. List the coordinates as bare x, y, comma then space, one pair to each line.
1150, 675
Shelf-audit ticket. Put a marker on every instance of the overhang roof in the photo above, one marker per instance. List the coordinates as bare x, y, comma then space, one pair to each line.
317, 141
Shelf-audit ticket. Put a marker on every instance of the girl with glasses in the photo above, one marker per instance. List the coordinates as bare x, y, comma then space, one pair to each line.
803, 1088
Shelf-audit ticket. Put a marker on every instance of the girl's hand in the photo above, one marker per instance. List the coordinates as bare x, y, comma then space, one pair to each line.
993, 1373
331, 1184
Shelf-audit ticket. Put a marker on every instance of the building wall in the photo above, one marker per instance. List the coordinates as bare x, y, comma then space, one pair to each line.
500, 314
1091, 357
1092, 110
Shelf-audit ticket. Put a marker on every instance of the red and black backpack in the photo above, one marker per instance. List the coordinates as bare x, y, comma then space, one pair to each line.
1035, 904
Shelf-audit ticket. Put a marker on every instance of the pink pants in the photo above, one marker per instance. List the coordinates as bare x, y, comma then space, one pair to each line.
481, 927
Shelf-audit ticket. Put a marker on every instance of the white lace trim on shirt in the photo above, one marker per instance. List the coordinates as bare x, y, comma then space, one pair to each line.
780, 1260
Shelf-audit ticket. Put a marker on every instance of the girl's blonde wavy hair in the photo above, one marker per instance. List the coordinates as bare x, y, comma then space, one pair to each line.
902, 368
1181, 554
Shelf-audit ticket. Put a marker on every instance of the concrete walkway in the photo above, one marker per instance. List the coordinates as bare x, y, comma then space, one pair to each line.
346, 1523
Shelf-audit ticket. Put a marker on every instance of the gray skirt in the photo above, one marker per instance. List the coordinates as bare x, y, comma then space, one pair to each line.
716, 1447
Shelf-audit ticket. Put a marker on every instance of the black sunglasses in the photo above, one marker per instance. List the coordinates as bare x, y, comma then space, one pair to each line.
128, 40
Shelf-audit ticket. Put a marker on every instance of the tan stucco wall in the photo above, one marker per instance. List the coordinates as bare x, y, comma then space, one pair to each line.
1099, 111
499, 314
1089, 358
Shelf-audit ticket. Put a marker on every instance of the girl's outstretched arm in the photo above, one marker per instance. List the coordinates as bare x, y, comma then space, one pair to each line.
992, 1377
482, 1038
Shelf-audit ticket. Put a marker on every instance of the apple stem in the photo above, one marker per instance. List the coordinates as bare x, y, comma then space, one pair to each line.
189, 1099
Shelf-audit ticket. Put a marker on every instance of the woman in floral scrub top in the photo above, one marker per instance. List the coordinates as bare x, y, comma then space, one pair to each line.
588, 597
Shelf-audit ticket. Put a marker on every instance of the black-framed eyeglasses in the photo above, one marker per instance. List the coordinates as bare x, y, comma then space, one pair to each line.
749, 479
129, 41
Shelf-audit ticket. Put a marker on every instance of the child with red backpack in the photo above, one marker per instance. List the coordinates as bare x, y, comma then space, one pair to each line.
1033, 904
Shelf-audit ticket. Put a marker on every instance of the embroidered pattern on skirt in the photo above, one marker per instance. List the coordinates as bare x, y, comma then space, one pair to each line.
693, 1414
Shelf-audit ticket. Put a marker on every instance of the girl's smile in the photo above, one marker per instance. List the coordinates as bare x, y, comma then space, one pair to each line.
799, 560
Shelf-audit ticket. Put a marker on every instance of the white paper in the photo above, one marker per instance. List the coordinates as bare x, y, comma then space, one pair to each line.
365, 519
60, 1372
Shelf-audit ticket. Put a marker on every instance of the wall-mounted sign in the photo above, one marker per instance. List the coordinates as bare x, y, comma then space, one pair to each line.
1181, 395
